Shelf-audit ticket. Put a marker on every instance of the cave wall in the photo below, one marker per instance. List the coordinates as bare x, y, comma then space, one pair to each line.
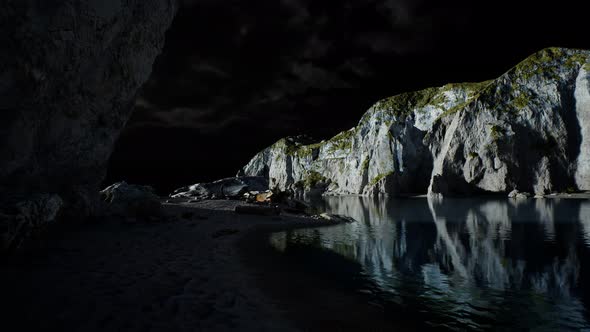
69, 74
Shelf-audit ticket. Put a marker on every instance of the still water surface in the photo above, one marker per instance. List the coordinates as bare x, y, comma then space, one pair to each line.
461, 264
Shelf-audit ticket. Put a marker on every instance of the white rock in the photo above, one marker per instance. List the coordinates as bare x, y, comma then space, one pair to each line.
518, 195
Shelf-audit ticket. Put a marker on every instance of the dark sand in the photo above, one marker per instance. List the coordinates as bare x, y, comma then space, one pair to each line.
206, 269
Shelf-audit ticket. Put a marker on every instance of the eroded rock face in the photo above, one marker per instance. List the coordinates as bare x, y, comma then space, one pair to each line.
69, 72
527, 130
381, 155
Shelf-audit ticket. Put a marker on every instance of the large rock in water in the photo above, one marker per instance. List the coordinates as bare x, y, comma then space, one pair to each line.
69, 73
528, 130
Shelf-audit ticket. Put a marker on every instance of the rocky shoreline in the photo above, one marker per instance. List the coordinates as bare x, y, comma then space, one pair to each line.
198, 266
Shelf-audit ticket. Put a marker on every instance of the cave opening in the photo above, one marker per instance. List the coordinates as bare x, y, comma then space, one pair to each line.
234, 77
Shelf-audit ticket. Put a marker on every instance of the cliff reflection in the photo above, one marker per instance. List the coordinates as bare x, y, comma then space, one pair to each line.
466, 258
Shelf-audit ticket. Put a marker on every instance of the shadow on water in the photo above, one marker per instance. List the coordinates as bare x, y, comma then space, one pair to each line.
457, 263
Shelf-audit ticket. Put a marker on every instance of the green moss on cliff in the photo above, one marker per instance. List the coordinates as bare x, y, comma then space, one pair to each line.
541, 63
473, 88
379, 177
307, 150
576, 60
293, 148
546, 64
402, 104
289, 147
503, 96
345, 135
497, 132
313, 178
342, 141
522, 100
365, 164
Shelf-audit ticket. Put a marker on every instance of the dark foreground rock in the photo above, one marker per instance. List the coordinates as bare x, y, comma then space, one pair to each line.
21, 217
69, 73
129, 200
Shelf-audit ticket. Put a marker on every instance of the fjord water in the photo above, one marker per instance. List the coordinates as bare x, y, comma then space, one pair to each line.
457, 264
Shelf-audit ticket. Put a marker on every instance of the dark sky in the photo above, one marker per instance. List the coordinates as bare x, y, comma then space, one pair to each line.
237, 75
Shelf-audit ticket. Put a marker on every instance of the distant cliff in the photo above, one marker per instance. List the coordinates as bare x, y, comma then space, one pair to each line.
528, 130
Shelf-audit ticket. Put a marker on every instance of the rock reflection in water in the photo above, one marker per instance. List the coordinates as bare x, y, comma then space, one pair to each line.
492, 263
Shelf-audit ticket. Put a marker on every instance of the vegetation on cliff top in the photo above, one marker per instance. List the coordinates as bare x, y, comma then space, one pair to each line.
546, 61
403, 104
543, 63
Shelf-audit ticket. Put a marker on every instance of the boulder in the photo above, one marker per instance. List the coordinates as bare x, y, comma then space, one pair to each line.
129, 200
69, 74
22, 217
518, 195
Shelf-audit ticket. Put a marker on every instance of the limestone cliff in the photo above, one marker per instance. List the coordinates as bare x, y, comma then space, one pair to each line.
527, 130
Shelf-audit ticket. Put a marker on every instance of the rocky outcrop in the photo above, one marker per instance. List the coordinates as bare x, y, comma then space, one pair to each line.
528, 130
128, 200
518, 195
69, 73
224, 188
21, 217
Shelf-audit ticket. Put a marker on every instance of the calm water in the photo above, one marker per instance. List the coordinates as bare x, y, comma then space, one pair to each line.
459, 264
